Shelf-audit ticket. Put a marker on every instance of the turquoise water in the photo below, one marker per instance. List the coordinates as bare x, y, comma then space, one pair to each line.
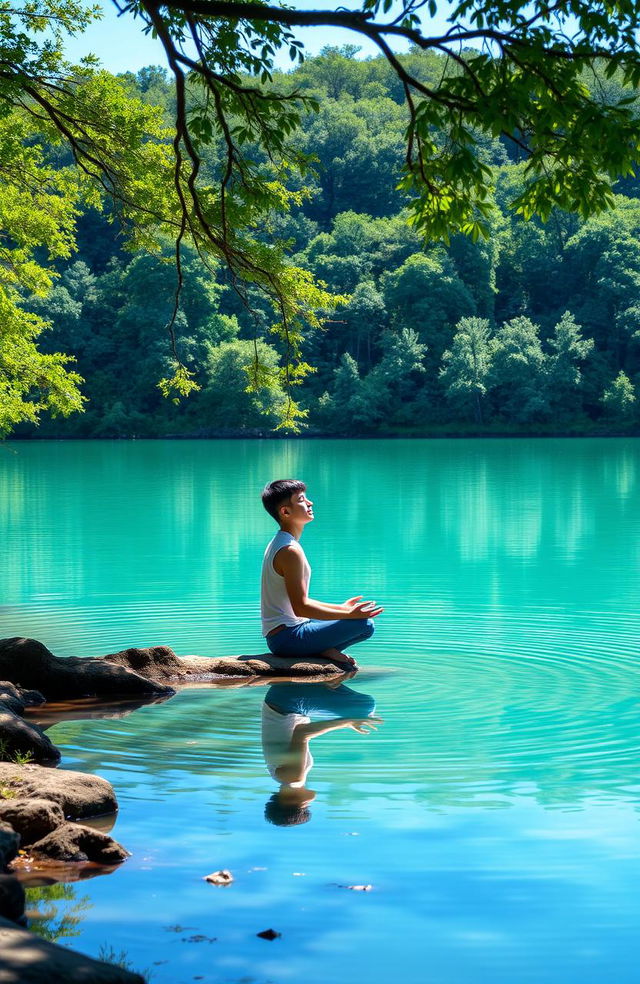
495, 810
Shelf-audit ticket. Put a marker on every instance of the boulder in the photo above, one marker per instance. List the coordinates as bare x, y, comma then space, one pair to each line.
31, 818
11, 898
16, 699
20, 737
9, 843
160, 664
28, 959
75, 842
28, 663
80, 795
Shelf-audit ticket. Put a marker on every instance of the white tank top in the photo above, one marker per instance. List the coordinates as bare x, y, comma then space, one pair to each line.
274, 601
277, 732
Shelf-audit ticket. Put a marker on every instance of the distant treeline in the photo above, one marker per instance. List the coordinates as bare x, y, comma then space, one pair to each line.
535, 330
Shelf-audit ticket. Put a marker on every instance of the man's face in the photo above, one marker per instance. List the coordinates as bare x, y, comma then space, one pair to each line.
299, 508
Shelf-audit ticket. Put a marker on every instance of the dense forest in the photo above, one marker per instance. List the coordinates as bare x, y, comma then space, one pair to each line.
534, 330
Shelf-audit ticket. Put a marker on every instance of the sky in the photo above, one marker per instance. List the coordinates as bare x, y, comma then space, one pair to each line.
121, 46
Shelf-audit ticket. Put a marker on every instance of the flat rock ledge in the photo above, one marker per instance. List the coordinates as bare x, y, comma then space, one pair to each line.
27, 959
148, 672
161, 665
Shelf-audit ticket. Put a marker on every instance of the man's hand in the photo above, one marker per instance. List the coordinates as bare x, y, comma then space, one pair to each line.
362, 609
363, 726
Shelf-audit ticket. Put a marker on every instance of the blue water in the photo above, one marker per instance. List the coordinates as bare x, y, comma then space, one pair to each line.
494, 812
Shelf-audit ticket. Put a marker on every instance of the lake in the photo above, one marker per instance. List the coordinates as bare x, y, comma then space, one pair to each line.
494, 812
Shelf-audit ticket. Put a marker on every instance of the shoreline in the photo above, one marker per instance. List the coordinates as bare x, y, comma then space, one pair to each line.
440, 435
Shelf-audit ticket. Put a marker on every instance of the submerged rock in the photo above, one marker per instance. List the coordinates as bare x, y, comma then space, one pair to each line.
31, 818
75, 842
28, 959
79, 794
28, 663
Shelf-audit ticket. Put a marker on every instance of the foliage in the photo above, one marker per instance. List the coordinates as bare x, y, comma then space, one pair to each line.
58, 911
518, 372
564, 376
619, 398
507, 79
512, 70
467, 366
575, 281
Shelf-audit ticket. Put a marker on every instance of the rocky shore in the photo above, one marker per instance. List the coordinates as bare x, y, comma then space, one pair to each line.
46, 813
39, 834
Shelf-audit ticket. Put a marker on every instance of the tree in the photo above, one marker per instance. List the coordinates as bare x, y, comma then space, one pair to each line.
384, 395
427, 295
509, 70
366, 318
518, 372
392, 385
118, 150
602, 264
619, 398
226, 403
512, 70
466, 367
564, 378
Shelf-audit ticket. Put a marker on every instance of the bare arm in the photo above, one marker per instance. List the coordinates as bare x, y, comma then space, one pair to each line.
293, 770
288, 563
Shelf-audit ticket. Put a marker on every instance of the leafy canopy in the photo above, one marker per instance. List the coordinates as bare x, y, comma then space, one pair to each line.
557, 81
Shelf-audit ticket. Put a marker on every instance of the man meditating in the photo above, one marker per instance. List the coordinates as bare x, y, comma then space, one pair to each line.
292, 622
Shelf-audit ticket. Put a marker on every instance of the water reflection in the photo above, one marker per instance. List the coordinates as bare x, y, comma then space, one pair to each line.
288, 727
55, 911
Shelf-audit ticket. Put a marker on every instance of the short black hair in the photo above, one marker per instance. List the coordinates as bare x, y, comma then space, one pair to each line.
285, 814
275, 493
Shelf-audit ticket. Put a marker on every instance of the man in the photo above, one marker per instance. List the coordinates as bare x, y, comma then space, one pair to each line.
293, 623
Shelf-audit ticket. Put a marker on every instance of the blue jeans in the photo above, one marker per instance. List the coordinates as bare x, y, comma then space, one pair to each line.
313, 637
317, 700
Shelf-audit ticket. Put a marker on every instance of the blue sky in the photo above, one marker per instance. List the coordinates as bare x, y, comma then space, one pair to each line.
121, 45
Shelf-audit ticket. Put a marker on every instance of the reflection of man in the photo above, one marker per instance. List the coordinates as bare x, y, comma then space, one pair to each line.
287, 730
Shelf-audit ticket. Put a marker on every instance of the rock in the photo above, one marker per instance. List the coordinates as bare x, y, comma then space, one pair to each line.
309, 666
11, 898
80, 795
223, 877
16, 699
269, 934
161, 665
134, 672
27, 959
9, 844
31, 818
20, 737
75, 842
30, 664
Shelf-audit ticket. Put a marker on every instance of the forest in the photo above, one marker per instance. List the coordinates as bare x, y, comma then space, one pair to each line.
534, 329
